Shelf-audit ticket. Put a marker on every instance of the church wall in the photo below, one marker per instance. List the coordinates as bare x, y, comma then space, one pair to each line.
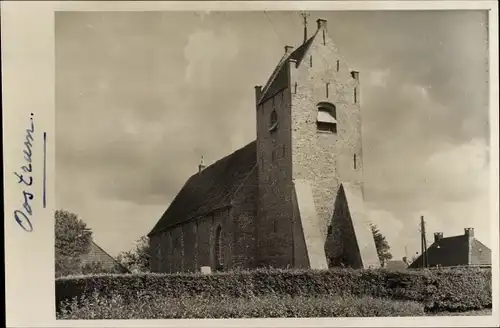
154, 244
275, 228
178, 250
325, 159
204, 237
189, 243
244, 214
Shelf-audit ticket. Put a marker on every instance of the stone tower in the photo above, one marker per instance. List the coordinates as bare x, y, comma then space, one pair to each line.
310, 160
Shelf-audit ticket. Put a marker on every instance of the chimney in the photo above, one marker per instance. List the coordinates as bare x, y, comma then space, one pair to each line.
258, 93
438, 236
355, 75
288, 50
469, 232
202, 165
321, 24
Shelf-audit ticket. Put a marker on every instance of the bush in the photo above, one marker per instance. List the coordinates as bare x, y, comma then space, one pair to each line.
153, 306
451, 290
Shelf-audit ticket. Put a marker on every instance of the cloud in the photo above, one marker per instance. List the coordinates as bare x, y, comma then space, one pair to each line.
141, 96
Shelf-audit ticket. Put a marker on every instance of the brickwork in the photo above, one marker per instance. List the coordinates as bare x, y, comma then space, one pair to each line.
325, 158
261, 224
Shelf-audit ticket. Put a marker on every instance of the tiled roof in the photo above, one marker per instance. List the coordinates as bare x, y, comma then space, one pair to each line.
396, 265
211, 189
453, 251
99, 255
278, 77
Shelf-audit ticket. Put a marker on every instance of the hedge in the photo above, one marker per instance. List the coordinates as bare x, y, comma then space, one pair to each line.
439, 290
147, 306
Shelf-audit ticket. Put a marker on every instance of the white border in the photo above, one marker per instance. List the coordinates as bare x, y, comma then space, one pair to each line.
28, 86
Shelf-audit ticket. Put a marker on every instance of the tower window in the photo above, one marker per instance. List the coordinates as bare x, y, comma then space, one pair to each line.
354, 160
295, 88
327, 88
324, 38
338, 65
327, 117
273, 124
355, 95
219, 260
311, 60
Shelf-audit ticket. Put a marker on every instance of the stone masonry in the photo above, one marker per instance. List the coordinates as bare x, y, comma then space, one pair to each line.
293, 197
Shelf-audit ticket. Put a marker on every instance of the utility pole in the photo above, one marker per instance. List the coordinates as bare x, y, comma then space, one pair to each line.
304, 21
423, 243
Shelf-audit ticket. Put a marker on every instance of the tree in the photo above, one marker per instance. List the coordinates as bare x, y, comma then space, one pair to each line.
137, 259
72, 240
383, 248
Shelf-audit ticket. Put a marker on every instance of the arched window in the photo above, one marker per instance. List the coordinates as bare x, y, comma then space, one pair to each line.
273, 124
218, 249
327, 117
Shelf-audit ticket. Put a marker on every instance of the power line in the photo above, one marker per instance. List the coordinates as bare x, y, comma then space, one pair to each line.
274, 28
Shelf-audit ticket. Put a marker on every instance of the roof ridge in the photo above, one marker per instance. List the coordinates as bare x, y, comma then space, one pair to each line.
284, 59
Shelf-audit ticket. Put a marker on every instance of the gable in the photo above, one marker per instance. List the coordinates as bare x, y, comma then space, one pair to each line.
480, 253
211, 189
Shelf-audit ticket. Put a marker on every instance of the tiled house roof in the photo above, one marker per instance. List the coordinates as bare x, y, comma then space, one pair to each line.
455, 251
211, 189
100, 256
396, 265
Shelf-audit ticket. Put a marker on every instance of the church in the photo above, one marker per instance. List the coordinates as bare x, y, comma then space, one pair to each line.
293, 198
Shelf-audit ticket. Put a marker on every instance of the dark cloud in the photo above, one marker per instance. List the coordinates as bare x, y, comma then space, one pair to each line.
141, 96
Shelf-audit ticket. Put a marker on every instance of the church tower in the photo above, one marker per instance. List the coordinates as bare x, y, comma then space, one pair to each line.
309, 154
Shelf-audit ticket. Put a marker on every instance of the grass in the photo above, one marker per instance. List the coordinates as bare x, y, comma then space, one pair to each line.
147, 306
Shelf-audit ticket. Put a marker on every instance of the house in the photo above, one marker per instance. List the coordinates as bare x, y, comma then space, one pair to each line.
396, 265
101, 261
294, 196
462, 250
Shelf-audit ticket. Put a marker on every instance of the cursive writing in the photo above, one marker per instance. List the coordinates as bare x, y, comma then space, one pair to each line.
25, 179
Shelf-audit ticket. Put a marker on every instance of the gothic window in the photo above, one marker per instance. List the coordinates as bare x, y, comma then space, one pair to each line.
355, 95
354, 159
273, 124
295, 88
327, 89
218, 248
311, 60
327, 118
338, 65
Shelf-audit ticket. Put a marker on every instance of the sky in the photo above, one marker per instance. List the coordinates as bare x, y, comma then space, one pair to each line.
141, 96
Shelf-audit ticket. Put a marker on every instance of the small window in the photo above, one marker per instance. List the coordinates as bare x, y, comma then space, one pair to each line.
324, 38
311, 60
273, 124
327, 89
355, 95
327, 118
354, 160
338, 65
295, 88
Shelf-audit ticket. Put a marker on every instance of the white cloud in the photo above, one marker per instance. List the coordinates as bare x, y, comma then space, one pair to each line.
206, 52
